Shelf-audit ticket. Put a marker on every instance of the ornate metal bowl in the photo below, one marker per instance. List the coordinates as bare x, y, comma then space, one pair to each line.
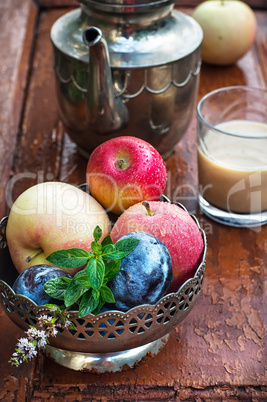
112, 340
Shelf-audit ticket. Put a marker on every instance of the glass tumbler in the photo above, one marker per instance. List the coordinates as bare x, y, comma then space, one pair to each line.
232, 155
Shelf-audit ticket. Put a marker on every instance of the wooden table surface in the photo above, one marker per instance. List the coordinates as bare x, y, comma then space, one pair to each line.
218, 353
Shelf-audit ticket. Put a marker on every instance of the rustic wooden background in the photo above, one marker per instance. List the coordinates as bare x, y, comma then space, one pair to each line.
219, 352
184, 3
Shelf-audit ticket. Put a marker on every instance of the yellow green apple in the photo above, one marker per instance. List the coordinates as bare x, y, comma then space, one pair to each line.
52, 216
229, 29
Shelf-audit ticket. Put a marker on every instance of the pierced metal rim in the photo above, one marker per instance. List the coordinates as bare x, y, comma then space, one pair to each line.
160, 316
126, 340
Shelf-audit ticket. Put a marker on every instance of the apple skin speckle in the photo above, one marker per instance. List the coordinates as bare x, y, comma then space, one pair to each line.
125, 170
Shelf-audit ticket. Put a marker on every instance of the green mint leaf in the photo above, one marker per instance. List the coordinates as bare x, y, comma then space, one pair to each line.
96, 270
73, 292
97, 234
107, 240
107, 295
126, 246
89, 302
111, 270
108, 251
122, 249
72, 326
96, 247
71, 258
56, 287
82, 278
54, 306
91, 268
101, 303
88, 289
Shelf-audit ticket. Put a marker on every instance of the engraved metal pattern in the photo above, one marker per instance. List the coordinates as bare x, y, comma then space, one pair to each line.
110, 331
70, 79
144, 87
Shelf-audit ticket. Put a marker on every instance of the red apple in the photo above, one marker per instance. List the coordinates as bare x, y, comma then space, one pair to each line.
125, 170
52, 216
229, 28
174, 227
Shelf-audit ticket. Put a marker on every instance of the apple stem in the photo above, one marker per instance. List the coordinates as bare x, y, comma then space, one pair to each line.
121, 164
34, 254
148, 209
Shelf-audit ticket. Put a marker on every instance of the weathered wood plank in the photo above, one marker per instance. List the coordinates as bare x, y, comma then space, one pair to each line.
261, 44
221, 327
16, 45
186, 3
39, 155
58, 3
194, 3
15, 383
218, 351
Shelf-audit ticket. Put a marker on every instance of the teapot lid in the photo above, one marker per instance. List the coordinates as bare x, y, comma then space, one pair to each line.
168, 40
122, 6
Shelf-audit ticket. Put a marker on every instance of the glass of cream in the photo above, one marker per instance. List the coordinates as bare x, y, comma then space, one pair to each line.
232, 155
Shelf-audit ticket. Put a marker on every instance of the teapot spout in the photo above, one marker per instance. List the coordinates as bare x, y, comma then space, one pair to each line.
105, 111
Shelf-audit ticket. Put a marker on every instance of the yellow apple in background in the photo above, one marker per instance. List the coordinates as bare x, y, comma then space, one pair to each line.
52, 216
229, 28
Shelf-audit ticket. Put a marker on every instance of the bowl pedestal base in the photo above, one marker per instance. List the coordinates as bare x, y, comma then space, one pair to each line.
105, 362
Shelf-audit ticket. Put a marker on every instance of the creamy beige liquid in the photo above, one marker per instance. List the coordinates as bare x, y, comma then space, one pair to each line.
233, 170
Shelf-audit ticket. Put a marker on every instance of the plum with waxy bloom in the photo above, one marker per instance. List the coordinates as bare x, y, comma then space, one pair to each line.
30, 283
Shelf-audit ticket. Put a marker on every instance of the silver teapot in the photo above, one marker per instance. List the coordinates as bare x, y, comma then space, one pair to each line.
126, 67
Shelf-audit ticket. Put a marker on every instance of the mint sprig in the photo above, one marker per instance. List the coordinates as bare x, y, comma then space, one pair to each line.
88, 290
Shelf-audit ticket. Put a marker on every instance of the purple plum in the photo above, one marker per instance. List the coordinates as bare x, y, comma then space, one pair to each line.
145, 274
31, 282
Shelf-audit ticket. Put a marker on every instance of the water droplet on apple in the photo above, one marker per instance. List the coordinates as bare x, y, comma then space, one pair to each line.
162, 231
